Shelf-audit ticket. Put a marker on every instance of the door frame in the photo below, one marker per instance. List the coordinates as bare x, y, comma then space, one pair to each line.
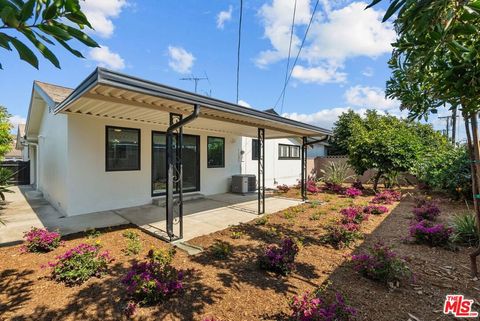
197, 163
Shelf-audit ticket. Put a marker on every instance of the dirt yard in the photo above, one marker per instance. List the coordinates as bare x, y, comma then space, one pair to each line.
235, 288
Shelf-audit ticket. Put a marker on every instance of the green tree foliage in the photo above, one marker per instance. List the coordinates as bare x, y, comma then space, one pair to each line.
42, 23
5, 136
341, 132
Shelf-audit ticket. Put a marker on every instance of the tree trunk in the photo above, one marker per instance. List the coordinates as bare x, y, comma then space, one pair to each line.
376, 180
454, 125
475, 150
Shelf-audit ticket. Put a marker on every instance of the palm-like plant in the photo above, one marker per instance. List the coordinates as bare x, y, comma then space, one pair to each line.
336, 172
5, 175
465, 229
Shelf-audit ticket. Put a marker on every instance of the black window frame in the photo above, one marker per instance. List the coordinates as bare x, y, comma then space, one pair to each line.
290, 147
223, 154
139, 132
254, 149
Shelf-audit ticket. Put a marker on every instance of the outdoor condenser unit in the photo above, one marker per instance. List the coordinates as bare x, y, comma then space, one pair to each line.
244, 183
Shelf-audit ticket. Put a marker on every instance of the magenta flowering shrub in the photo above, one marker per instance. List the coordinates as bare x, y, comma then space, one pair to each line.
341, 234
428, 233
333, 188
353, 215
387, 197
381, 264
41, 240
280, 259
358, 185
427, 210
154, 280
312, 187
375, 209
309, 307
80, 263
353, 192
283, 188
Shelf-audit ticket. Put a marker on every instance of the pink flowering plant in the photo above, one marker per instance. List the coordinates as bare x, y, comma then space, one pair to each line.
80, 263
375, 209
381, 264
341, 235
353, 192
280, 258
333, 188
311, 307
283, 188
41, 240
387, 197
154, 280
353, 215
427, 210
426, 232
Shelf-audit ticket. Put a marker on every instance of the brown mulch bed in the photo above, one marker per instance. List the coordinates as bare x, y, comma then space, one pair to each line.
235, 288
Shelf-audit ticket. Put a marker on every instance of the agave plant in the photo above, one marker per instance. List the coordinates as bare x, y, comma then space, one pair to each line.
465, 229
336, 173
5, 175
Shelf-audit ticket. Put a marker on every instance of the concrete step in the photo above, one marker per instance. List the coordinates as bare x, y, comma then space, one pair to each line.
161, 201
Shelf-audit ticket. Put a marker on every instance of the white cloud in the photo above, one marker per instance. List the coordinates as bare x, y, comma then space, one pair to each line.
324, 118
15, 120
180, 60
369, 97
224, 16
106, 58
100, 14
244, 103
319, 74
368, 72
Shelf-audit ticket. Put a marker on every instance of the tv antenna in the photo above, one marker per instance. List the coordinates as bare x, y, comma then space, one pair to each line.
196, 80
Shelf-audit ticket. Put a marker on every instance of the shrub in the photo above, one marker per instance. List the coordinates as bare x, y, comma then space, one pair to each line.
358, 185
375, 209
236, 235
315, 216
336, 173
283, 188
262, 220
386, 197
381, 264
465, 229
312, 187
134, 246
341, 235
289, 214
333, 188
154, 280
428, 210
80, 263
353, 215
308, 307
353, 192
280, 259
221, 250
41, 240
427, 233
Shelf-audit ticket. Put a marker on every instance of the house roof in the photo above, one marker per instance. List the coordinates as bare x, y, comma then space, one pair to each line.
14, 152
56, 93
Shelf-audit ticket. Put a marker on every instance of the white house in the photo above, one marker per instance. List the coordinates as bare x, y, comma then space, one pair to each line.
104, 145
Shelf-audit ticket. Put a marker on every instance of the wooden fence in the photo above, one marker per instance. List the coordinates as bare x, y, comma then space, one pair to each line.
20, 172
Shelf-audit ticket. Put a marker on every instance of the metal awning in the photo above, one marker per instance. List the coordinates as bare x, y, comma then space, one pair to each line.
118, 96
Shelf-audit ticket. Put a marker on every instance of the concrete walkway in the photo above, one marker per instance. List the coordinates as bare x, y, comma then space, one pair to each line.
26, 208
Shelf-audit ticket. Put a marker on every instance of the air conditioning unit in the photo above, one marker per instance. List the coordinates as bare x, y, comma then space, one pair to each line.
244, 183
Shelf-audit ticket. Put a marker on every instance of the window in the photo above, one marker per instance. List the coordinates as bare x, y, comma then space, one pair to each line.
122, 149
288, 151
254, 149
215, 152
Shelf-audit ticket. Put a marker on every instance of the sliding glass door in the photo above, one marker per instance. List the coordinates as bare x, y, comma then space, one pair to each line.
191, 163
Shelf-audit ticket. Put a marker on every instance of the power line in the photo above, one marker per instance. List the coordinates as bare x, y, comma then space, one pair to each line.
298, 54
289, 51
238, 48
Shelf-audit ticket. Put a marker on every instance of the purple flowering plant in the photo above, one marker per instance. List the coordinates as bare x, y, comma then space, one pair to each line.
333, 188
341, 234
80, 263
353, 192
41, 240
381, 264
310, 307
375, 209
353, 215
426, 232
283, 188
280, 258
387, 197
427, 210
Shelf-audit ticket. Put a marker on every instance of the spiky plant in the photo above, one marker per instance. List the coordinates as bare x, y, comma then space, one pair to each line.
465, 229
336, 173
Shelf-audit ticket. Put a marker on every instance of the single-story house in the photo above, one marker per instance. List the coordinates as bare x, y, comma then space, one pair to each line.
114, 142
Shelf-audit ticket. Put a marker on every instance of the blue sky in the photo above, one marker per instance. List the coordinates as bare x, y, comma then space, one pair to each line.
343, 63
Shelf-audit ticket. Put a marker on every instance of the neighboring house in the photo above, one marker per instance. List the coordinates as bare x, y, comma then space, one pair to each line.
14, 154
103, 145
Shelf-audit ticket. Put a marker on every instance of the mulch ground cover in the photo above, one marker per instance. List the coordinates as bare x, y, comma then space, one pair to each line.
234, 288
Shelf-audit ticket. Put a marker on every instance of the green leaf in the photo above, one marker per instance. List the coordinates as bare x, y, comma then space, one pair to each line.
55, 31
8, 15
24, 52
73, 51
374, 2
50, 13
81, 36
27, 10
42, 48
78, 18
394, 6
4, 41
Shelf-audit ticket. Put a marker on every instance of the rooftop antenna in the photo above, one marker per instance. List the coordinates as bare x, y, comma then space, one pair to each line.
195, 80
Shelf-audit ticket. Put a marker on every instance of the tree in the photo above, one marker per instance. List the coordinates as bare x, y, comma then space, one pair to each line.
42, 23
342, 130
436, 61
5, 136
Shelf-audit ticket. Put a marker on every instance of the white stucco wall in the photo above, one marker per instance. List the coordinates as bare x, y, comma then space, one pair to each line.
93, 189
277, 171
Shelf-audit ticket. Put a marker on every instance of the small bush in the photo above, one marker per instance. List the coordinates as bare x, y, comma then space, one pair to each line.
333, 188
80, 263
312, 187
315, 216
387, 197
221, 250
381, 264
93, 234
358, 185
236, 235
341, 235
41, 240
262, 220
309, 307
289, 214
134, 246
336, 172
465, 229
353, 192
280, 259
314, 204
353, 215
427, 211
427, 233
375, 209
283, 188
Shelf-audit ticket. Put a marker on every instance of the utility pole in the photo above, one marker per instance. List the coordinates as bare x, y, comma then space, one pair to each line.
453, 120
195, 80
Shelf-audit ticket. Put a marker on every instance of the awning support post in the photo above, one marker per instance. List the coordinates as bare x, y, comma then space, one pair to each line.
175, 169
261, 170
303, 180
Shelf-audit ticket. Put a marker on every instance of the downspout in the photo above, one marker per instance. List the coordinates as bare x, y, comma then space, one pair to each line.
170, 169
